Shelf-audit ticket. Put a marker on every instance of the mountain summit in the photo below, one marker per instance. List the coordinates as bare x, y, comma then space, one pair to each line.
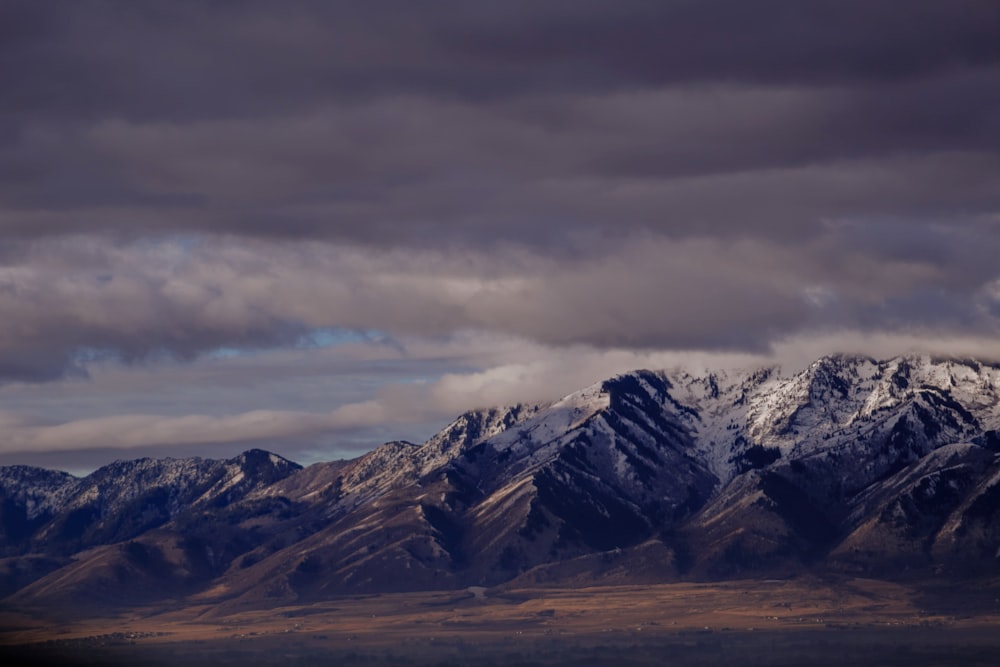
884, 468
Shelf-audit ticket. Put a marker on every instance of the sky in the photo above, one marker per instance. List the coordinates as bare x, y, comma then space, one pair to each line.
314, 226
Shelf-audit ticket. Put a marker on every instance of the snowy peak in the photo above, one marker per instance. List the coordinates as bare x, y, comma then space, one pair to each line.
36, 490
548, 425
474, 426
470, 429
59, 513
835, 404
400, 463
252, 470
259, 463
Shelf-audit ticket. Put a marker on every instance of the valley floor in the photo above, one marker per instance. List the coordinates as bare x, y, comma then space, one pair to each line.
770, 622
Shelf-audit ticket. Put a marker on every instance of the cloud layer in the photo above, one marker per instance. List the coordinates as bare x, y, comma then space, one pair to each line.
461, 122
77, 300
187, 179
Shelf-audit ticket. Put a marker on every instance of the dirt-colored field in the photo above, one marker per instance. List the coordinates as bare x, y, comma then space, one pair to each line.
753, 622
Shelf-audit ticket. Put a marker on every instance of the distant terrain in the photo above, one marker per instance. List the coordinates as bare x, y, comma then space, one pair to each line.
802, 621
878, 479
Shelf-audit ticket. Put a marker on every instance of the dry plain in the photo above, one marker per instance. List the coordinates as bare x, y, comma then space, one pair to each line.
762, 622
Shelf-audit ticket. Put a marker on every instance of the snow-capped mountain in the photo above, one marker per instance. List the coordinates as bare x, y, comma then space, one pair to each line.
54, 512
852, 464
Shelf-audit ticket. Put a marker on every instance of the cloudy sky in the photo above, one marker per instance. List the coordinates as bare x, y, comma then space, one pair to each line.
313, 226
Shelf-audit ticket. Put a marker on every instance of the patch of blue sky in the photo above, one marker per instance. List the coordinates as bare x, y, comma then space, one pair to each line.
331, 337
186, 242
171, 252
314, 339
226, 353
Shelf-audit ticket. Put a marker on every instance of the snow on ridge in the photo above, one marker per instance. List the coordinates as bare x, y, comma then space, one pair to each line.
38, 489
470, 429
559, 418
836, 402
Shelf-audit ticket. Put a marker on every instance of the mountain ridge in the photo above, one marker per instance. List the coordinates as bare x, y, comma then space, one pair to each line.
850, 465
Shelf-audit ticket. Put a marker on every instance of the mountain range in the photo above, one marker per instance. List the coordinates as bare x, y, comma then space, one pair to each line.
873, 468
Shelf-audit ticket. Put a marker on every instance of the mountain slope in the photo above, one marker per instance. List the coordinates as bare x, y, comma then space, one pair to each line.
853, 464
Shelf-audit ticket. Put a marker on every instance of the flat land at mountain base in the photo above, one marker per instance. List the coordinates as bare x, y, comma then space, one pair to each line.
770, 622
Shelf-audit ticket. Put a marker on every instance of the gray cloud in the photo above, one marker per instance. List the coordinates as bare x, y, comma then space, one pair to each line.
409, 171
457, 122
81, 298
194, 59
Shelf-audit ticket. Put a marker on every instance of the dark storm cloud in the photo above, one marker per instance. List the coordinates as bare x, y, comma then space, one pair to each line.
405, 169
185, 60
395, 121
